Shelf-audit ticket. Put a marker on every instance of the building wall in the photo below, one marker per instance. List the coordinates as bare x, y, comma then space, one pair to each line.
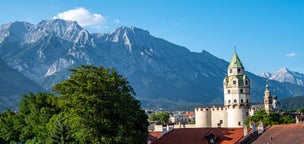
203, 117
236, 116
218, 116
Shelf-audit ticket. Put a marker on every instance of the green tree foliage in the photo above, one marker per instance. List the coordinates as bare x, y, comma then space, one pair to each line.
269, 119
9, 127
59, 131
100, 107
35, 112
95, 105
162, 117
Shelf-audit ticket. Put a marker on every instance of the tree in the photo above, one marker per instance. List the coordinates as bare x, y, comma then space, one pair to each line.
162, 117
9, 127
269, 119
35, 113
100, 107
59, 131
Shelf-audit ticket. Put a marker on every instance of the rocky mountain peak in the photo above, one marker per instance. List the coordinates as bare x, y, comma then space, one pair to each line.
284, 70
14, 30
67, 30
285, 75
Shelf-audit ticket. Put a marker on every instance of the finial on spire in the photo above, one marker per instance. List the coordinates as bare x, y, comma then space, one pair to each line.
234, 49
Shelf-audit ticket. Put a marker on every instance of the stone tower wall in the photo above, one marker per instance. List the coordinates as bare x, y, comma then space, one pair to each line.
236, 115
203, 117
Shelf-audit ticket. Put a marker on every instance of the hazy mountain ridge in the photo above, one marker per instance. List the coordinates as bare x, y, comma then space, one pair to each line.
160, 72
12, 85
285, 75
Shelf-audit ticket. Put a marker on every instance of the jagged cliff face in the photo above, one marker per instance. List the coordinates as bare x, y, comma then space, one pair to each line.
159, 71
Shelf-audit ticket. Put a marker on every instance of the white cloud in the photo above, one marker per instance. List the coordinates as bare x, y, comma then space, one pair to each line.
290, 54
82, 16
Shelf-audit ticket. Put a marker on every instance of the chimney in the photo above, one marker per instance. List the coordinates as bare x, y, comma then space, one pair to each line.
260, 128
245, 130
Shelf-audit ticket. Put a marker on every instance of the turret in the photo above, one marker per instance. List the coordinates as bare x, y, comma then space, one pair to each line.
236, 93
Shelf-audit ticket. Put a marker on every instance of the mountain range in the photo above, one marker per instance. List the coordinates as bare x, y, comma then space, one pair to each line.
162, 74
285, 75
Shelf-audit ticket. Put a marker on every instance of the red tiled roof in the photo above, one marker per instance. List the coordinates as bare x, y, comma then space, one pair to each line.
154, 136
188, 114
198, 136
282, 134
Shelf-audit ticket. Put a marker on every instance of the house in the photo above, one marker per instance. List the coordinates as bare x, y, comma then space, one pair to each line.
201, 136
282, 134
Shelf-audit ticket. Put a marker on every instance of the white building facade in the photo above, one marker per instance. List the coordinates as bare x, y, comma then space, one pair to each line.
236, 100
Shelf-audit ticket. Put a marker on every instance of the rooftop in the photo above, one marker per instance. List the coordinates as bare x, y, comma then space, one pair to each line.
200, 136
235, 62
285, 134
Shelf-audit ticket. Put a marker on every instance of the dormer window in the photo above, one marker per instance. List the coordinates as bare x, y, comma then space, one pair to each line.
211, 137
239, 70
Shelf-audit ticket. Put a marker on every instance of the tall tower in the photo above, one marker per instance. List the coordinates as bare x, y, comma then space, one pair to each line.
267, 99
236, 93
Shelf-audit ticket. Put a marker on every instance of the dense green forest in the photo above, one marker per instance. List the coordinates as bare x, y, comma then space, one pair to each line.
95, 105
291, 103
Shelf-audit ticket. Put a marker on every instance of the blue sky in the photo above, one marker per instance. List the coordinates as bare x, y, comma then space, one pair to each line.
268, 34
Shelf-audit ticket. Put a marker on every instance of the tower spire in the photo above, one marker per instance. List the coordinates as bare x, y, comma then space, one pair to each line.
235, 61
267, 86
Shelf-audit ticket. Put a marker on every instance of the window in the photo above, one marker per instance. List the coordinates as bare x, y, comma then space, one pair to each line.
235, 100
246, 100
247, 113
230, 71
221, 121
242, 101
246, 82
239, 70
241, 90
234, 82
239, 123
229, 101
228, 91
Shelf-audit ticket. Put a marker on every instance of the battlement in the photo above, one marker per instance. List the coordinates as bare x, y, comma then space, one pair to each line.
209, 108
